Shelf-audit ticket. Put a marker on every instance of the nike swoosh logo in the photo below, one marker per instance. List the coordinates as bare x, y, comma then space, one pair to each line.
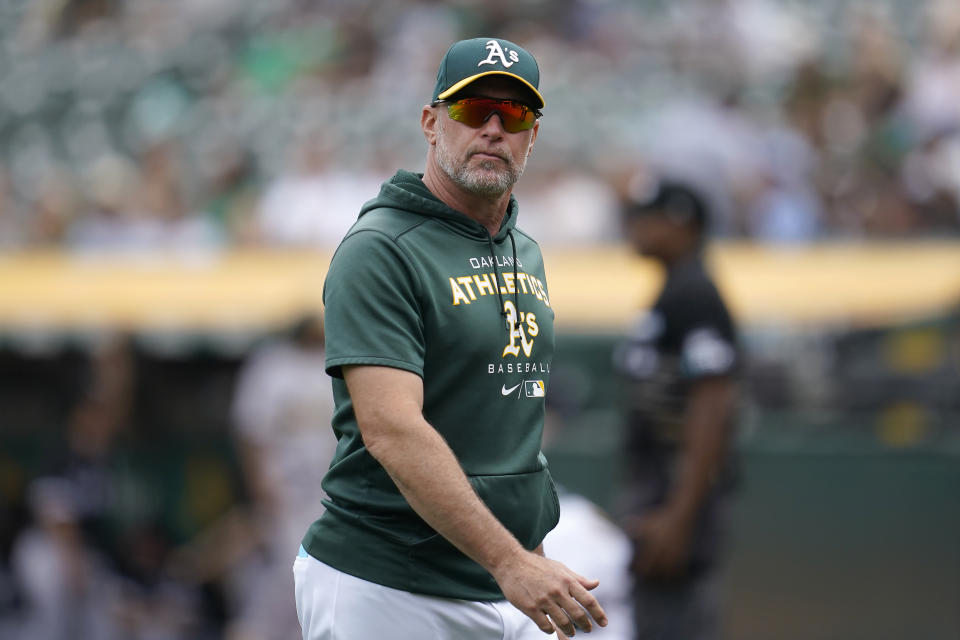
506, 391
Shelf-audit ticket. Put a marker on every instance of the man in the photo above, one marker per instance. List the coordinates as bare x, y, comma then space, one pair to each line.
282, 394
439, 339
680, 362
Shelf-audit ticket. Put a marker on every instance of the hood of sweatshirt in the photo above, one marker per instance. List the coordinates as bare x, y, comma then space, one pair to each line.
406, 191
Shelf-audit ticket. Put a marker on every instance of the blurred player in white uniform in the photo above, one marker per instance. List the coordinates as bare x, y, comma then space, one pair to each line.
281, 411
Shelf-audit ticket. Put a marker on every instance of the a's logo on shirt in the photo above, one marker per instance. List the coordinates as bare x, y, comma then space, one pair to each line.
523, 329
496, 51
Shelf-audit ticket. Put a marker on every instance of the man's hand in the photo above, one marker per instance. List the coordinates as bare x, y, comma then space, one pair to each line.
552, 595
662, 543
663, 536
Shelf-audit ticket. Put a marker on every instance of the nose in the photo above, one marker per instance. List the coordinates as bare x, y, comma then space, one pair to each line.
493, 125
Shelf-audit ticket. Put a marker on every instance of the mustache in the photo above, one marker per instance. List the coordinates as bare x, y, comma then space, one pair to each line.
503, 155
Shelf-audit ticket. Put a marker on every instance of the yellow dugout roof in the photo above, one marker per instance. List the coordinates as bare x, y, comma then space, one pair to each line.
590, 289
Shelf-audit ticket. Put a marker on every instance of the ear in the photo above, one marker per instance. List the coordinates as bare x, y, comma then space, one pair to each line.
429, 122
533, 137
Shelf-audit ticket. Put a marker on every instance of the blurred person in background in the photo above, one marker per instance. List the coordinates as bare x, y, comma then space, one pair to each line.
232, 197
282, 407
606, 556
680, 365
91, 564
139, 205
314, 202
280, 412
66, 560
587, 540
167, 218
53, 209
554, 202
108, 220
63, 560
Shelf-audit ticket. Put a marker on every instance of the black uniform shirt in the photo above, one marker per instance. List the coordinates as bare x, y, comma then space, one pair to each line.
687, 335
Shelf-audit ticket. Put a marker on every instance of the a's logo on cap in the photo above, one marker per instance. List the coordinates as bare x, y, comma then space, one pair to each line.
496, 51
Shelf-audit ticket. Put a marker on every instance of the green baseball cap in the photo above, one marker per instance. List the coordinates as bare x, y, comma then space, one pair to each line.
470, 60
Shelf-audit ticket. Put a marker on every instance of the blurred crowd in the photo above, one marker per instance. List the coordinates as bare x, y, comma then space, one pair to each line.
122, 530
201, 124
185, 125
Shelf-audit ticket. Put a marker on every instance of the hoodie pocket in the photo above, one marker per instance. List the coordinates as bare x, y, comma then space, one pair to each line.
526, 503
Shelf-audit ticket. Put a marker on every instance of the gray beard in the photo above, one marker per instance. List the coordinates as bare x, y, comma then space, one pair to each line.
484, 180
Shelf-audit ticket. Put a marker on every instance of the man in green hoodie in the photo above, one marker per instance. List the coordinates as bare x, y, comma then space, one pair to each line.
439, 341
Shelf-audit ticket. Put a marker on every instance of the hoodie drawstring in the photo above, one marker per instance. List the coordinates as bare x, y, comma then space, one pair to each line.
516, 293
496, 270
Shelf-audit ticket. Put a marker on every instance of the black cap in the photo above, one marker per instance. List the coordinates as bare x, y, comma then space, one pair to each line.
675, 200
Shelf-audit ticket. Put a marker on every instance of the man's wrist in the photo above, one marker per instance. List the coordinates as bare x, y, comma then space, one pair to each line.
505, 559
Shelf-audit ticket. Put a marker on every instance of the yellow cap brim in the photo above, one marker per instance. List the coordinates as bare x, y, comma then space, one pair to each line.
463, 83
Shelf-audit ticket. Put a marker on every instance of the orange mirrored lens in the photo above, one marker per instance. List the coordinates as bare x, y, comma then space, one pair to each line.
473, 112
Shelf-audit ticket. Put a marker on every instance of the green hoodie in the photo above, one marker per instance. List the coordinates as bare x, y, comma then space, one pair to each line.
416, 285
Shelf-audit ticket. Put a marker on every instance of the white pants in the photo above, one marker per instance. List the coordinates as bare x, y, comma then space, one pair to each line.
333, 605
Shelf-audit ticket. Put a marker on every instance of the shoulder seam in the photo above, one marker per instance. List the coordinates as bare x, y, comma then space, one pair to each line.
526, 235
412, 227
416, 272
393, 239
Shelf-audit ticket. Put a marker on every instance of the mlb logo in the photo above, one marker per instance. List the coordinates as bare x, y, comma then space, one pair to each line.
534, 388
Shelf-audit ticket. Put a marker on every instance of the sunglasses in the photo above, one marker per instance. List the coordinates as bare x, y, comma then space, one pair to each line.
473, 112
